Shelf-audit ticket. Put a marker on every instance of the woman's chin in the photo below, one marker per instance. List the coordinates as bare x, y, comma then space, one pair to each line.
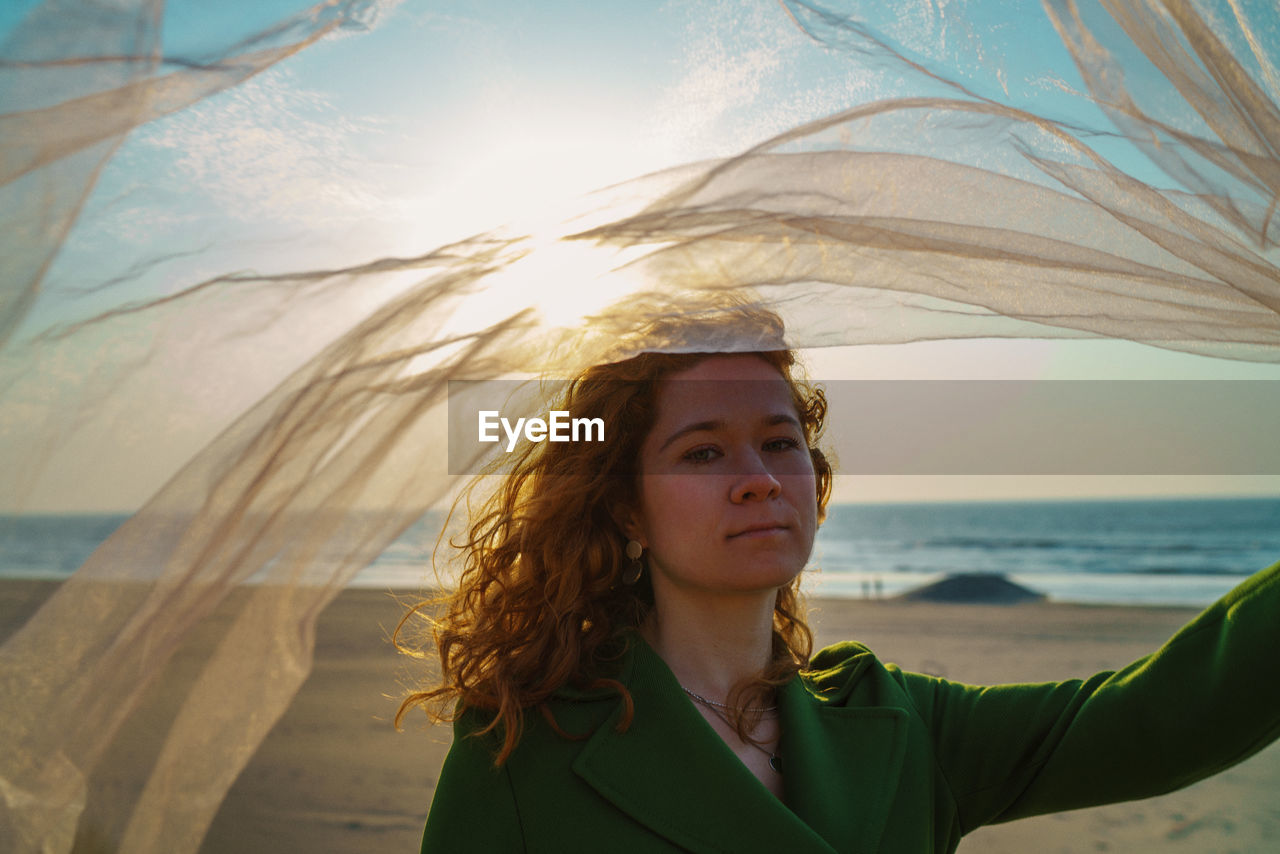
762, 579
760, 573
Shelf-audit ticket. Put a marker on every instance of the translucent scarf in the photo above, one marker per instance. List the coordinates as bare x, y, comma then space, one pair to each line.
986, 199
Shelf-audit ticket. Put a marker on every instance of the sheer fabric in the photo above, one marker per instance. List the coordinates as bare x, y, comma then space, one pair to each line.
974, 205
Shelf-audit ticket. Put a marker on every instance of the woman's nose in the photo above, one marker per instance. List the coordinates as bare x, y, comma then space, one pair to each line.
755, 483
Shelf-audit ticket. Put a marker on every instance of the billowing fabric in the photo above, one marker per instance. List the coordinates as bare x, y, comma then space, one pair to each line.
874, 758
1129, 194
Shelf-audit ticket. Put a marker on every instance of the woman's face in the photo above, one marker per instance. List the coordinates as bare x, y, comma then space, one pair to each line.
728, 495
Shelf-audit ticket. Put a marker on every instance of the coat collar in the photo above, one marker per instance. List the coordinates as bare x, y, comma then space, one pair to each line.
671, 772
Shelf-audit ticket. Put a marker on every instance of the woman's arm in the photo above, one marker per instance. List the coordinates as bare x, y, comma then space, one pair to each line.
1204, 701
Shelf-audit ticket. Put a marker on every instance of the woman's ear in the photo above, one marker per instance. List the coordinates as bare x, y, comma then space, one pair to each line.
630, 523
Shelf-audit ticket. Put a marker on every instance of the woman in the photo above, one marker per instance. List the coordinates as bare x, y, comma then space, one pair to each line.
632, 668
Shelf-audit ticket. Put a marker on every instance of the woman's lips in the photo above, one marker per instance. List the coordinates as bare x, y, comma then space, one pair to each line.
756, 531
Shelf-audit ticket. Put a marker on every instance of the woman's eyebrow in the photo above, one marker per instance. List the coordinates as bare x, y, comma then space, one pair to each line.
783, 418
708, 426
697, 427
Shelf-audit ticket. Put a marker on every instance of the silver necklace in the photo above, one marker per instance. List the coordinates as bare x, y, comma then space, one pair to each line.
706, 702
775, 758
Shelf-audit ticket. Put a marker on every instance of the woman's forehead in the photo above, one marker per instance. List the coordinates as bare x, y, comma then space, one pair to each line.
729, 387
729, 367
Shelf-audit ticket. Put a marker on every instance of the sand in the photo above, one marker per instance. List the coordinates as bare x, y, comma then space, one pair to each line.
334, 776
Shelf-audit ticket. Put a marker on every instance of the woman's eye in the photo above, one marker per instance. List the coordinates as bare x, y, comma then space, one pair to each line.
781, 444
701, 455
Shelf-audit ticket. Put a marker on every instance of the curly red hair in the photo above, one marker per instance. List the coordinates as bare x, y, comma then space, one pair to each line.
540, 603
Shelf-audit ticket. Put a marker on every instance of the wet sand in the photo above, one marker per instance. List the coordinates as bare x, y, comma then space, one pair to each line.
334, 776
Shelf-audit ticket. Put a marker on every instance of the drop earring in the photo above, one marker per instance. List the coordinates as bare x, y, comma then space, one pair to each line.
632, 573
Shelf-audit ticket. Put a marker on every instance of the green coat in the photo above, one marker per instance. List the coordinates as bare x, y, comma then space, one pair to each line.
875, 759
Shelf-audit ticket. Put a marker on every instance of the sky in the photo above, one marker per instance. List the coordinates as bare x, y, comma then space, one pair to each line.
441, 119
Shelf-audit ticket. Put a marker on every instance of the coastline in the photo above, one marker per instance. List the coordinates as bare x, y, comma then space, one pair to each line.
334, 776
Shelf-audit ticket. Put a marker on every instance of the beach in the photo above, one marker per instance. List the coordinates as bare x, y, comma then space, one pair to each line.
334, 775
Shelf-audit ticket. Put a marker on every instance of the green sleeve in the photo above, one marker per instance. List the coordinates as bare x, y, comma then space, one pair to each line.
474, 808
1204, 701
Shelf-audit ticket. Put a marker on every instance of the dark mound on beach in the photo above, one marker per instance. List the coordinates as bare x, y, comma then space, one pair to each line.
974, 587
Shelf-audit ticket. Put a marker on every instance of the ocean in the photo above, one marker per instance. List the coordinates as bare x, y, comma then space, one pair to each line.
1146, 552
1139, 552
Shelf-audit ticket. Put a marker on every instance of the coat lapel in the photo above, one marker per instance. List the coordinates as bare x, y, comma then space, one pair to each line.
841, 764
672, 773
